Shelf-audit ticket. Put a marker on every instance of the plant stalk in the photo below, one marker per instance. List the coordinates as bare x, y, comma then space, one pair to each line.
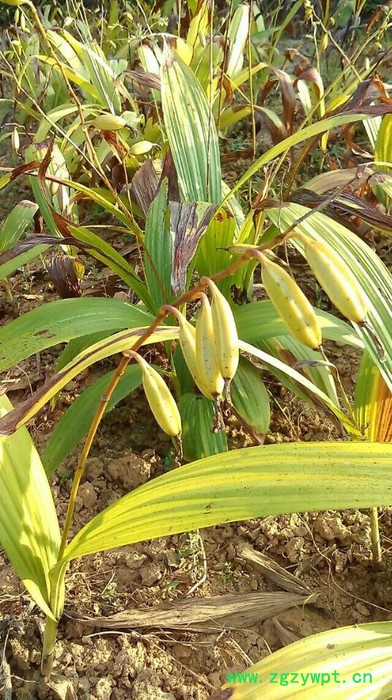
375, 536
50, 633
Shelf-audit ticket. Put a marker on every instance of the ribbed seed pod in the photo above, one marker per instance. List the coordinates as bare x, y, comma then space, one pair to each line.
337, 280
159, 398
205, 350
291, 304
15, 140
108, 122
187, 338
225, 333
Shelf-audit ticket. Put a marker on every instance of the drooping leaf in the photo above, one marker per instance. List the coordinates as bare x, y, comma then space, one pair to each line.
59, 321
275, 365
12, 260
29, 531
348, 662
125, 340
240, 485
308, 132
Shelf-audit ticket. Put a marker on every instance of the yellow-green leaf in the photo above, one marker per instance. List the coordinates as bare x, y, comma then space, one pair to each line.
240, 485
29, 531
340, 664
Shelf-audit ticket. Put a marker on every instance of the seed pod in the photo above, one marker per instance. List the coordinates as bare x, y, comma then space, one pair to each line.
225, 333
108, 122
159, 398
337, 280
205, 350
187, 338
291, 304
15, 140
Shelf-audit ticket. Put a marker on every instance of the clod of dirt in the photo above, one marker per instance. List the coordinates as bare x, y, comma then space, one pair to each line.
144, 688
331, 528
130, 471
150, 574
87, 496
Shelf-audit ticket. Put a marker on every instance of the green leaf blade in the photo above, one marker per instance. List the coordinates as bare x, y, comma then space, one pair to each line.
29, 530
243, 484
60, 321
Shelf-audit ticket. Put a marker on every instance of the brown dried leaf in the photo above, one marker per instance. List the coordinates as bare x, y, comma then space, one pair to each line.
65, 273
144, 186
203, 614
273, 572
188, 224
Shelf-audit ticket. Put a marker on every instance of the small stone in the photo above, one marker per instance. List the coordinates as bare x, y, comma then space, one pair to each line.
130, 471
294, 548
87, 494
94, 468
103, 689
331, 528
150, 574
172, 558
134, 560
362, 609
231, 552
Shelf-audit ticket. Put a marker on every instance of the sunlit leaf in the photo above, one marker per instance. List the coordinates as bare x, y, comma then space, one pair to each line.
191, 132
29, 531
59, 321
240, 485
348, 662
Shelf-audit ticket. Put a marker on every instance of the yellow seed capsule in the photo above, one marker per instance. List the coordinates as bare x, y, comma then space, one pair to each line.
187, 338
324, 42
205, 351
160, 400
291, 304
225, 333
337, 280
108, 122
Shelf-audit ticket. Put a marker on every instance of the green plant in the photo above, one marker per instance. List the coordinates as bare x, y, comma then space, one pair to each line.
187, 227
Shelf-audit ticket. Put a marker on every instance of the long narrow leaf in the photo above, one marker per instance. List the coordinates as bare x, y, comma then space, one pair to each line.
344, 663
275, 364
29, 530
304, 134
61, 321
240, 485
102, 349
191, 131
16, 223
75, 422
